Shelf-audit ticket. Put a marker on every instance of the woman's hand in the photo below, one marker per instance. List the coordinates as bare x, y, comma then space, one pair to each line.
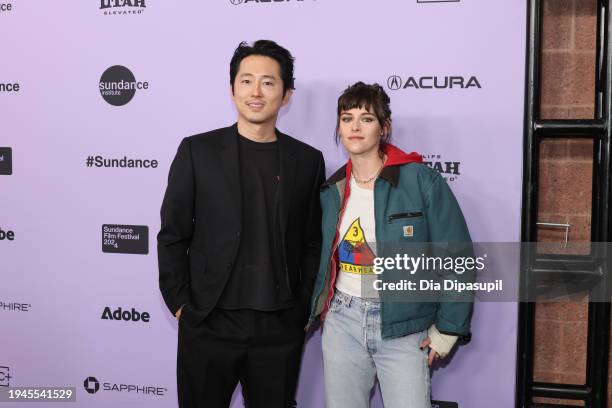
432, 353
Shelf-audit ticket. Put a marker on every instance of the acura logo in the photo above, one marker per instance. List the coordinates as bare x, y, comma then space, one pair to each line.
394, 82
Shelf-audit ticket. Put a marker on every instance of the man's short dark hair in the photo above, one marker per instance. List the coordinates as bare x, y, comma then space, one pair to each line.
265, 48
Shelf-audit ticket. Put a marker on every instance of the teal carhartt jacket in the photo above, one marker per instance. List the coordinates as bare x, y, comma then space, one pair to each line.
412, 204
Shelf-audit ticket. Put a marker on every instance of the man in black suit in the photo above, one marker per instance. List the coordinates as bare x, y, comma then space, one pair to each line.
240, 242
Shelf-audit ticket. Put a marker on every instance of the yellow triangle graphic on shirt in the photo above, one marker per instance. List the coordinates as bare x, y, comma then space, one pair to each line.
354, 234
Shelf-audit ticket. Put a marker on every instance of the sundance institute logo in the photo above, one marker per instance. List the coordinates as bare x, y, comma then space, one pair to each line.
118, 85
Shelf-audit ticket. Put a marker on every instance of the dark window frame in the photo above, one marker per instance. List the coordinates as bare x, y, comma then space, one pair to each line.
533, 265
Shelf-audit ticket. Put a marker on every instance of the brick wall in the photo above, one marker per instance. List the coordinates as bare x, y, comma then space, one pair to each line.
566, 166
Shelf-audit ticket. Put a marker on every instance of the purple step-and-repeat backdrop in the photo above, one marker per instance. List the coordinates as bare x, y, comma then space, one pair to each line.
83, 170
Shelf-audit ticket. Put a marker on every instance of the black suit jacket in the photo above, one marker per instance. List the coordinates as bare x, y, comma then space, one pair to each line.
201, 220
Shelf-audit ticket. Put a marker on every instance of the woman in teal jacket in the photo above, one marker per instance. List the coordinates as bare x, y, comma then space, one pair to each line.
385, 203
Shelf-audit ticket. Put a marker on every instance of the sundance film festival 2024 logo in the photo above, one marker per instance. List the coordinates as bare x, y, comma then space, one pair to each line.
125, 239
118, 85
122, 7
396, 82
6, 161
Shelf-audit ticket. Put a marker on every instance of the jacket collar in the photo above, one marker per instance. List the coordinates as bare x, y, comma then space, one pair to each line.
231, 139
390, 172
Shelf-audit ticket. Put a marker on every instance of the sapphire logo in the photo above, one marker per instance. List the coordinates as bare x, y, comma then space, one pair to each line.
395, 82
122, 7
15, 306
118, 85
91, 385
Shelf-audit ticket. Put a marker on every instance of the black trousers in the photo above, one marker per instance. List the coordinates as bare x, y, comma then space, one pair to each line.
261, 350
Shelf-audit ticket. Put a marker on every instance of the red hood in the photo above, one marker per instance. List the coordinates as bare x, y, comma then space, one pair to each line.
395, 157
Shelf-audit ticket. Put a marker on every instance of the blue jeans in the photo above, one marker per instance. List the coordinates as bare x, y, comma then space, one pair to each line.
354, 354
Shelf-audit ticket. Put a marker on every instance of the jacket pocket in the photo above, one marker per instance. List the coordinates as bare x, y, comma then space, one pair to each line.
406, 226
336, 304
404, 215
197, 261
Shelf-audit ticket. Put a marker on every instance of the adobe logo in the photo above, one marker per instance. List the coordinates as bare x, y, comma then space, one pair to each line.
8, 235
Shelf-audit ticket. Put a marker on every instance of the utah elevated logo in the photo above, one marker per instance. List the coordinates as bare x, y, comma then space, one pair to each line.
122, 7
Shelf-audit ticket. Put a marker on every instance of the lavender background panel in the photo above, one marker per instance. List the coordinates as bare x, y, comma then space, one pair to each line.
56, 205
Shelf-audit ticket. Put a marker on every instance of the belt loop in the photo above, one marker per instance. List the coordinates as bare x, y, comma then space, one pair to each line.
365, 317
345, 298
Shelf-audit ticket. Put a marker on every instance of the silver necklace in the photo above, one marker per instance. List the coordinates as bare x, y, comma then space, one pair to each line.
371, 178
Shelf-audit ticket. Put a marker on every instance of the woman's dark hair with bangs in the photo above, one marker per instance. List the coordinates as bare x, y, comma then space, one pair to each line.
269, 49
372, 98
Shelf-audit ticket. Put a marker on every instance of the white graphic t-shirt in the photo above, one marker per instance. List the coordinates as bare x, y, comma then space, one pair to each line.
357, 246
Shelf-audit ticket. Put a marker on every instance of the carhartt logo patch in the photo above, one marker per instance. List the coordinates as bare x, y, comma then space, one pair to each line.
408, 230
